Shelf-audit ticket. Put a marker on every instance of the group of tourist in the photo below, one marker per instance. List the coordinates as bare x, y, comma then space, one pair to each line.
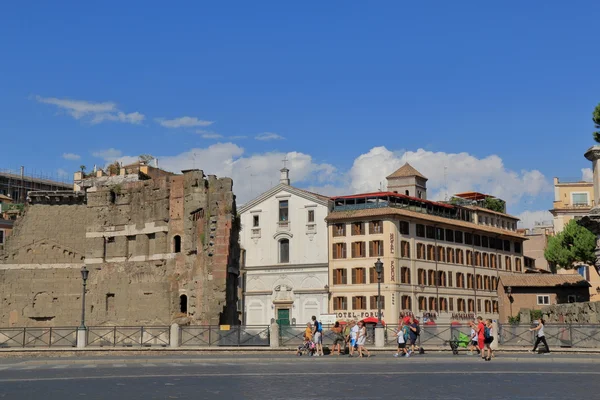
353, 336
482, 337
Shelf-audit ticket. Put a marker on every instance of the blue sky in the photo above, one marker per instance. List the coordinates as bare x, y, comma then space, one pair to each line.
499, 96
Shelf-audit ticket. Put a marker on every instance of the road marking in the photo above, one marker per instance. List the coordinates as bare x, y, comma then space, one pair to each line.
89, 366
3, 368
119, 365
148, 365
176, 364
28, 368
60, 366
295, 374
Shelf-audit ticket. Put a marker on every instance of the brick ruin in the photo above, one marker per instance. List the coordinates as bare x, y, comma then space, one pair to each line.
158, 250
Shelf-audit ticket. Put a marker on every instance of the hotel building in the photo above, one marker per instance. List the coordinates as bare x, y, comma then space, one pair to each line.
441, 261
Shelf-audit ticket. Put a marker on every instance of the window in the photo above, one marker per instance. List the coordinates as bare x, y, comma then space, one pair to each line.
443, 304
477, 240
340, 303
373, 301
517, 247
405, 275
470, 281
420, 230
493, 263
460, 305
469, 257
486, 260
359, 303
358, 250
339, 250
460, 280
508, 263
518, 264
478, 259
183, 304
458, 237
507, 245
430, 232
176, 244
478, 305
580, 199
422, 303
439, 233
422, 275
449, 235
375, 227
431, 277
487, 283
495, 306
373, 275
494, 283
284, 251
471, 305
406, 303
441, 254
449, 279
571, 298
459, 257
468, 238
451, 303
450, 255
255, 221
311, 215
543, 300
376, 248
488, 306
430, 252
484, 241
340, 276
479, 282
283, 210
359, 276
441, 279
339, 230
405, 249
358, 228
432, 304
420, 251
404, 228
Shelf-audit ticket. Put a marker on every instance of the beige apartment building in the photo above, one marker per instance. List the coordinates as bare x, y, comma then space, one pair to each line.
572, 199
441, 261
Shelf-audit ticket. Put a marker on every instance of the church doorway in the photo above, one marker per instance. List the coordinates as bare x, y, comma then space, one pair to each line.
283, 316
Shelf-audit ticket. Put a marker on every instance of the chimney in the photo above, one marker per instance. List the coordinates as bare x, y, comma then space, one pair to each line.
285, 176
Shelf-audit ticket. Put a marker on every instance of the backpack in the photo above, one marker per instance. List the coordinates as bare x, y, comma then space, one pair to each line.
319, 326
418, 331
486, 333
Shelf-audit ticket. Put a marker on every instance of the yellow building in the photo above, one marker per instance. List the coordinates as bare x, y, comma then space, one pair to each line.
572, 199
441, 261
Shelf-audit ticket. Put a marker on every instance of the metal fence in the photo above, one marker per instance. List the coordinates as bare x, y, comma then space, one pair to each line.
234, 335
137, 336
557, 335
38, 337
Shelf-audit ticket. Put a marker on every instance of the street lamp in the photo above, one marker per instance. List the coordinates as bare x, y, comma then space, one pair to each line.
84, 276
510, 299
379, 270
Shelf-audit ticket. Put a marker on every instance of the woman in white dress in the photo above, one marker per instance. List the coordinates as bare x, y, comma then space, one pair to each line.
362, 338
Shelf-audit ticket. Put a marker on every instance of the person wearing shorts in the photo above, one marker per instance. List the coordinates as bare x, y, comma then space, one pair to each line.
481, 336
353, 337
318, 336
402, 334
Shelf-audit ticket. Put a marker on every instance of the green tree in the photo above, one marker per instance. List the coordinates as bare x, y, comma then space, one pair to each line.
596, 119
494, 204
575, 244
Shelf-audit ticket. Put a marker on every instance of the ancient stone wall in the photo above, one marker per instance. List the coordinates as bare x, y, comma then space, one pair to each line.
573, 313
146, 244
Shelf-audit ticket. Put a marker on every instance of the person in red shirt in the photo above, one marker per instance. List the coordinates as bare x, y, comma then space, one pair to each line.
480, 335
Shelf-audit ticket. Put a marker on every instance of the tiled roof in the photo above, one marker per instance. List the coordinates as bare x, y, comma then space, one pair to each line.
324, 198
487, 210
542, 280
406, 170
384, 211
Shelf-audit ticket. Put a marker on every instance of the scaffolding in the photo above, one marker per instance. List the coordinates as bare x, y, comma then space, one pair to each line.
16, 184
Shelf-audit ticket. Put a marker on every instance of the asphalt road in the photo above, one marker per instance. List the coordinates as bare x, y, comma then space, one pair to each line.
324, 378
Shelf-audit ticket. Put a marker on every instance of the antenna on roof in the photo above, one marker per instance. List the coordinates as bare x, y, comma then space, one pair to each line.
381, 186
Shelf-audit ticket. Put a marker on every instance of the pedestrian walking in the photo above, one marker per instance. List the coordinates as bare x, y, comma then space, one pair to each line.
541, 338
361, 339
338, 338
481, 337
473, 345
318, 336
413, 334
488, 338
402, 336
353, 337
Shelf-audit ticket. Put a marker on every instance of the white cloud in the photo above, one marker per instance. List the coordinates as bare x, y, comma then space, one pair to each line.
238, 137
529, 218
71, 156
587, 174
209, 134
268, 136
94, 112
183, 122
62, 173
448, 173
109, 155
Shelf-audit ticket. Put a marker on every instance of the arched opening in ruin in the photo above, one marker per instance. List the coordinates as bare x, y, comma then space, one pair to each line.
177, 244
183, 306
406, 192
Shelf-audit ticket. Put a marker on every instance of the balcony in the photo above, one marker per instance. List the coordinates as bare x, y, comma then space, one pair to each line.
559, 205
284, 226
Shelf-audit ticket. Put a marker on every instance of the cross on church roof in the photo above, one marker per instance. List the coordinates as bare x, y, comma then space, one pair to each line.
285, 160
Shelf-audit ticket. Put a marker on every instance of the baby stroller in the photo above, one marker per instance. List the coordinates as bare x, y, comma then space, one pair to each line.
307, 348
462, 341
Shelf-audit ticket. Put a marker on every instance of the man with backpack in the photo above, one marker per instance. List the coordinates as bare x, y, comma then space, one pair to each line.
318, 336
413, 334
